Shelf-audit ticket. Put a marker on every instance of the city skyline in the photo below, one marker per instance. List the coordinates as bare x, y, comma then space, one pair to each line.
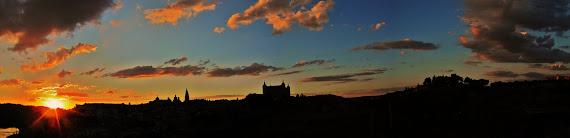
121, 51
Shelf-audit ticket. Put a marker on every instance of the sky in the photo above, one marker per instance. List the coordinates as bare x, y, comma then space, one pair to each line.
131, 51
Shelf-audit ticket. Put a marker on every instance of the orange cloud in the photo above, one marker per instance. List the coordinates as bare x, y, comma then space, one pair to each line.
115, 23
179, 9
219, 29
74, 94
118, 5
0, 70
377, 26
403, 53
11, 83
63, 73
38, 82
62, 54
280, 14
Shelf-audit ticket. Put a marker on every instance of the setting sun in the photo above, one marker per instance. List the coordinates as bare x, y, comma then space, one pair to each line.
54, 103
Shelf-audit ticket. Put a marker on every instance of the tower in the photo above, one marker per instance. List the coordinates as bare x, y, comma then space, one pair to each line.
186, 96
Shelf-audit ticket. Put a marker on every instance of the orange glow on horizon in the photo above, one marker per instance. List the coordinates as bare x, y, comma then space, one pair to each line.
55, 103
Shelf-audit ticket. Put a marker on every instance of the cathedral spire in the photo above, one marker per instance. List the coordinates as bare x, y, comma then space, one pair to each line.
186, 96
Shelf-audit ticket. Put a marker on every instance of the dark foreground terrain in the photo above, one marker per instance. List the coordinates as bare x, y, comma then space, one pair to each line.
435, 109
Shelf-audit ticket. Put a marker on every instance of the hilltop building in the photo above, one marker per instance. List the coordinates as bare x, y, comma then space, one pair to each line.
279, 91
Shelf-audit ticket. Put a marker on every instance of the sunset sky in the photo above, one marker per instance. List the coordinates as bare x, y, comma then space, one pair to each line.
120, 51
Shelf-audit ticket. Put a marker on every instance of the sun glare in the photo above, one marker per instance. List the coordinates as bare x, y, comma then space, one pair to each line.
54, 103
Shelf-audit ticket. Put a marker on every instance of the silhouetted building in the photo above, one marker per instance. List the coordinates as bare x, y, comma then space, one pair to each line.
279, 91
176, 99
186, 96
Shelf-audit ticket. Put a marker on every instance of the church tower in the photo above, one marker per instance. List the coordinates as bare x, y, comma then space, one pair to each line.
186, 96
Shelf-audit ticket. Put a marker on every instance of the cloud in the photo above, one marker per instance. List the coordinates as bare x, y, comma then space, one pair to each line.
507, 74
34, 20
0, 70
306, 63
497, 30
63, 73
203, 63
535, 75
252, 70
368, 92
344, 77
219, 29
177, 10
118, 5
280, 14
535, 65
281, 74
474, 63
111, 92
401, 44
70, 94
151, 72
229, 96
92, 71
403, 53
38, 82
377, 26
176, 61
115, 23
333, 67
557, 67
448, 70
11, 83
131, 96
62, 54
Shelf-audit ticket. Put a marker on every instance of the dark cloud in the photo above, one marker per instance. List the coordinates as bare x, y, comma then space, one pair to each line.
38, 82
63, 73
150, 72
203, 63
111, 92
131, 96
176, 61
11, 83
344, 77
317, 62
252, 70
497, 30
448, 70
281, 74
31, 21
507, 74
474, 63
368, 92
401, 44
280, 14
536, 65
70, 94
535, 75
92, 71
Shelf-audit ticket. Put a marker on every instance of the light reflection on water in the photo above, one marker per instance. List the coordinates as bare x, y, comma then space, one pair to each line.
5, 132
